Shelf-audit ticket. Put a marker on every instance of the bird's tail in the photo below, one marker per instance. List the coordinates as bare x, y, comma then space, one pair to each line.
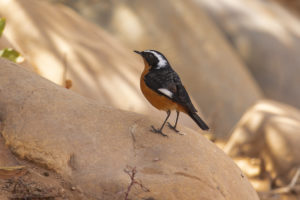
198, 120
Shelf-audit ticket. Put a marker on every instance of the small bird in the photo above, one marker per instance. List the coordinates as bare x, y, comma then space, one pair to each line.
162, 87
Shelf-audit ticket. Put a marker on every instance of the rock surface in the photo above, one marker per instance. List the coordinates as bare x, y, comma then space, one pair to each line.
61, 45
6, 157
62, 42
269, 130
99, 65
90, 145
266, 36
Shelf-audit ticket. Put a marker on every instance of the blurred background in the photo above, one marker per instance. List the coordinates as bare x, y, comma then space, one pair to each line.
239, 60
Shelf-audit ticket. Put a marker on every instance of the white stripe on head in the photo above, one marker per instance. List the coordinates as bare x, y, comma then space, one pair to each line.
166, 92
162, 62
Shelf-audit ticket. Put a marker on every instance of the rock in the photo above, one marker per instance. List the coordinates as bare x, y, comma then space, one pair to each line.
6, 157
99, 65
62, 42
90, 145
270, 131
266, 36
63, 46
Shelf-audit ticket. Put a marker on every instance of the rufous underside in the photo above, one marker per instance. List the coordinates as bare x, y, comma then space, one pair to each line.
157, 100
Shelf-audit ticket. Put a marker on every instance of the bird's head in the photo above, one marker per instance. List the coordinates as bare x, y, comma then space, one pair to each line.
155, 59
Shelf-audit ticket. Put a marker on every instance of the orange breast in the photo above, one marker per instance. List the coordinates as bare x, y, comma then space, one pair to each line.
158, 101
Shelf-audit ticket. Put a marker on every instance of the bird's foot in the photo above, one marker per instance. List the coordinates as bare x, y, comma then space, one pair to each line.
158, 131
174, 129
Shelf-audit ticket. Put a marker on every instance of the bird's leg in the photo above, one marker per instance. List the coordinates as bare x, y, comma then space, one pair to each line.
174, 127
154, 130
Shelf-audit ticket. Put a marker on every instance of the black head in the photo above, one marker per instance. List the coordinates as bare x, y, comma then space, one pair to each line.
155, 59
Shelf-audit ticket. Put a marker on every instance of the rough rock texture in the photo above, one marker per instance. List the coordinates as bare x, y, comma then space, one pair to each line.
99, 66
267, 38
91, 145
6, 157
269, 130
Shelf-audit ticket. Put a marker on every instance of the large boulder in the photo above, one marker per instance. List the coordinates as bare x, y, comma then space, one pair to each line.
90, 145
269, 131
62, 46
266, 36
101, 68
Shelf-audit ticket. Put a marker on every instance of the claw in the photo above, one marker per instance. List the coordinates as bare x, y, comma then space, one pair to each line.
154, 130
174, 129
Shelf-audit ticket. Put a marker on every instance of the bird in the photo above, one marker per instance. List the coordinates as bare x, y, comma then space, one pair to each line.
162, 87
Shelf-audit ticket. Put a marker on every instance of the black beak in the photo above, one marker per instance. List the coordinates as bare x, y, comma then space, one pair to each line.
138, 52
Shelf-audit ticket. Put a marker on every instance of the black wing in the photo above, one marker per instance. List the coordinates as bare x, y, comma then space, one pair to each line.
168, 79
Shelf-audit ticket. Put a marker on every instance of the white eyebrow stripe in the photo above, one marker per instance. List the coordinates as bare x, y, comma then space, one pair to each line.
166, 92
161, 61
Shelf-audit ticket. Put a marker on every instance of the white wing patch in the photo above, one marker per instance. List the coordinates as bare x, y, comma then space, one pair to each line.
166, 92
161, 61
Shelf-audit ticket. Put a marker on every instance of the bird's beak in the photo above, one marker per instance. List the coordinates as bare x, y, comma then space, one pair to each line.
138, 52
